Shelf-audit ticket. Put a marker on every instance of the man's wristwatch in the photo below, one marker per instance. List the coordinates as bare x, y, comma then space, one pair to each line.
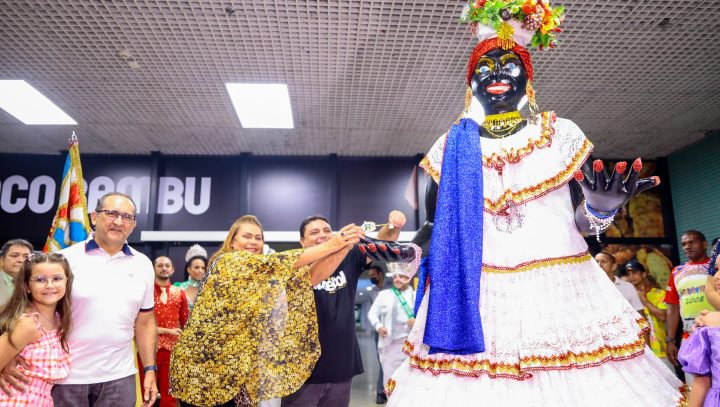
669, 340
149, 368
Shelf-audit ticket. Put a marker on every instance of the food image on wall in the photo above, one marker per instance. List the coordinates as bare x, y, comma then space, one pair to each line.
655, 258
642, 216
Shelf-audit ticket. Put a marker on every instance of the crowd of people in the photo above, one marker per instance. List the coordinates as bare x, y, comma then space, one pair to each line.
510, 306
90, 302
98, 301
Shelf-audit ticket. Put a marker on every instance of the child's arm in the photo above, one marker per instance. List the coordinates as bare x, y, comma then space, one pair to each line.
699, 390
711, 319
711, 292
25, 332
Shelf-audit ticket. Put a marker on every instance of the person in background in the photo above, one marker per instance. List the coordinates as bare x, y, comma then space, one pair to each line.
609, 266
392, 315
685, 292
712, 287
12, 255
171, 314
652, 297
366, 298
195, 265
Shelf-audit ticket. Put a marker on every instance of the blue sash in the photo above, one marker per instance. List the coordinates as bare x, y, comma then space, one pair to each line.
455, 260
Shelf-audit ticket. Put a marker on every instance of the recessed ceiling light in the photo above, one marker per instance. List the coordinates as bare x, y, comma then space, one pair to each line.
30, 106
261, 105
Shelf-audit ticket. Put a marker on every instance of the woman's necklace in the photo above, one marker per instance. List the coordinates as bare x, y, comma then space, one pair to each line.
503, 124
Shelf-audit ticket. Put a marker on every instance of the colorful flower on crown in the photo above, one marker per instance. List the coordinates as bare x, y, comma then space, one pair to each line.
532, 15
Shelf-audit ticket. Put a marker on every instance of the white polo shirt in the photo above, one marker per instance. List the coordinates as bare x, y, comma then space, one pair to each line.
108, 292
630, 293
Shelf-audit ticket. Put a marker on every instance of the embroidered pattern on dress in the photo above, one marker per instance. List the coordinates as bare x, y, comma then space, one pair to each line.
536, 264
513, 156
542, 188
567, 144
389, 387
524, 369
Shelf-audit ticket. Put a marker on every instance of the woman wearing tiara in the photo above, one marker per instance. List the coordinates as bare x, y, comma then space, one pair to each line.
512, 309
195, 265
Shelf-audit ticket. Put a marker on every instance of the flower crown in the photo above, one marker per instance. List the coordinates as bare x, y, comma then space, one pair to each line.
525, 22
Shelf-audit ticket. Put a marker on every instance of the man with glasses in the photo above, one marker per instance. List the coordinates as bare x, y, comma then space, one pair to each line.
12, 256
112, 302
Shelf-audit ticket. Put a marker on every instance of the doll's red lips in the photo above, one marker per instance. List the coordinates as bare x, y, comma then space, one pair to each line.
498, 88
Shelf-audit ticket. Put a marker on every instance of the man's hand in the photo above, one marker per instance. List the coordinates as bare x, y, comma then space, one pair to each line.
348, 236
382, 331
397, 219
672, 353
151, 390
11, 378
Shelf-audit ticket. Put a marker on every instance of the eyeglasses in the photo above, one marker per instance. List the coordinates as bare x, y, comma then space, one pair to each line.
42, 280
113, 215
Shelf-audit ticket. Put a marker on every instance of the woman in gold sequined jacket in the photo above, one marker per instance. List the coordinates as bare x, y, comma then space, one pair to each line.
253, 332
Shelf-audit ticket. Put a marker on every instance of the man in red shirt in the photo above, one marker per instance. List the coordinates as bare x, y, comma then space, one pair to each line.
685, 293
171, 313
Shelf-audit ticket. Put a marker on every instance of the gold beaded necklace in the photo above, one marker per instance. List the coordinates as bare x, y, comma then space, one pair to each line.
502, 124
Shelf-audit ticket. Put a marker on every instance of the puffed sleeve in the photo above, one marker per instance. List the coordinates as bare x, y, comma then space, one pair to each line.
694, 355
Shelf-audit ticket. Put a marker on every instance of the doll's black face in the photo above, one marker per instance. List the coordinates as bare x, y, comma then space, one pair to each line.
499, 81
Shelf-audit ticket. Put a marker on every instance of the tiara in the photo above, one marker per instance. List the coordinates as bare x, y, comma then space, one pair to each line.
525, 22
195, 250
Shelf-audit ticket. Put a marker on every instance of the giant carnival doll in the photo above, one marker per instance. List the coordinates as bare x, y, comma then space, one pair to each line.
512, 309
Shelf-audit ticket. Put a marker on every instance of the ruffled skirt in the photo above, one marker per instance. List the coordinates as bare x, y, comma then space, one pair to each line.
557, 333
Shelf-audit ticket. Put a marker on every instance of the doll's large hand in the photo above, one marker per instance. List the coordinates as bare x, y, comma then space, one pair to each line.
606, 194
386, 251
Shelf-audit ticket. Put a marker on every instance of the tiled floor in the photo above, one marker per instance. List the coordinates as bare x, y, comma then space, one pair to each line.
363, 386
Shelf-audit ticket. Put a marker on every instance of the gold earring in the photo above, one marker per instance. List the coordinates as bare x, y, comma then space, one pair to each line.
532, 104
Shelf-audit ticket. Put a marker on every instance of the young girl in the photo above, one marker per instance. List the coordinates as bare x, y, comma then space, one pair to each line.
700, 356
35, 324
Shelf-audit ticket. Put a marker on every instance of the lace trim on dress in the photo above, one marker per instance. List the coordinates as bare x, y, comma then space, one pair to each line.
524, 369
513, 156
536, 264
570, 149
524, 195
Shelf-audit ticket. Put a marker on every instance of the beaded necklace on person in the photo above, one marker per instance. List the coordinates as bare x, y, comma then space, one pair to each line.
502, 124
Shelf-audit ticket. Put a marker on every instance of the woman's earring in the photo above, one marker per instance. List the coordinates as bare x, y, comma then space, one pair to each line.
532, 105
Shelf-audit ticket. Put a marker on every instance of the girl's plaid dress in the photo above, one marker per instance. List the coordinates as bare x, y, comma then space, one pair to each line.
48, 362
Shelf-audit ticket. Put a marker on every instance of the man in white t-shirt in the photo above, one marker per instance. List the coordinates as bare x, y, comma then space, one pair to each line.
607, 263
112, 302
